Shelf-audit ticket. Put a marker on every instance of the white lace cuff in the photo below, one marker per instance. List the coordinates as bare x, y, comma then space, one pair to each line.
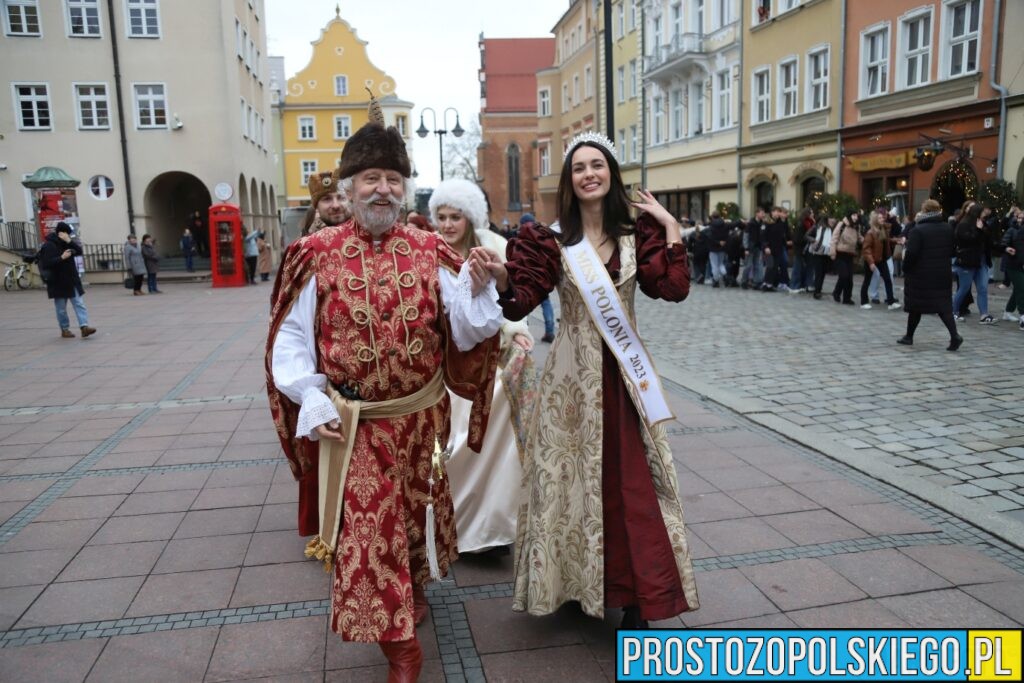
316, 410
481, 310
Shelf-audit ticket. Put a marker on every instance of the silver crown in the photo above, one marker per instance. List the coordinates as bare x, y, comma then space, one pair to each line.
591, 136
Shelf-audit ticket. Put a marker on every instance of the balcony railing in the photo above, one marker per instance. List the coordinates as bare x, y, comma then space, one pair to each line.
103, 257
680, 46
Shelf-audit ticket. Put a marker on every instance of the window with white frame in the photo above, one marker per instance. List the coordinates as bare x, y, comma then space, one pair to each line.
620, 82
256, 67
83, 18
239, 42
309, 167
874, 57
621, 145
722, 12
634, 144
93, 106
22, 17
817, 79
697, 16
634, 15
658, 106
786, 5
544, 156
697, 108
565, 97
143, 18
307, 128
343, 126
245, 120
544, 102
101, 187
254, 123
634, 79
723, 99
676, 17
678, 114
762, 96
915, 46
150, 105
588, 82
32, 104
656, 35
576, 90
620, 19
788, 91
245, 48
341, 85
963, 28
250, 54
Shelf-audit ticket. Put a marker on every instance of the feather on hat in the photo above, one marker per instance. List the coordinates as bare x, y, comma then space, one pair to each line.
374, 146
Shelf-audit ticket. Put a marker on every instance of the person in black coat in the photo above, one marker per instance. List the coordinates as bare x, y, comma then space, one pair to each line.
57, 258
926, 260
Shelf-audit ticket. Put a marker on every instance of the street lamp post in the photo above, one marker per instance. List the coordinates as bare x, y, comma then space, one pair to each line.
457, 131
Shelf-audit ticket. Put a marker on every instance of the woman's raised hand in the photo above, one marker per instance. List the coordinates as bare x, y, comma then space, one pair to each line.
648, 204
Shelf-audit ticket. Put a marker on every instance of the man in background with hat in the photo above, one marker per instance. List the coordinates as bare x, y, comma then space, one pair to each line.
372, 320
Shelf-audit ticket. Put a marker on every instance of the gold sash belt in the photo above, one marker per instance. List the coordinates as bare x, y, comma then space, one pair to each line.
336, 455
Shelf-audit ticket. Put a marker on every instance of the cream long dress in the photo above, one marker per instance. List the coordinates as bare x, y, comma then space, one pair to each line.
486, 486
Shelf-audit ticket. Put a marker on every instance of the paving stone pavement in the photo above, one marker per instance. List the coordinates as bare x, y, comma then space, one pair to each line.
147, 517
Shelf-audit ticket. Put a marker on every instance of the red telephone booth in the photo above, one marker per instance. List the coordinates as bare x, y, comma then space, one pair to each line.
226, 260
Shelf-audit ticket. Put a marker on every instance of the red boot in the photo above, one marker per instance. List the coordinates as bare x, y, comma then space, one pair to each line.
420, 606
405, 659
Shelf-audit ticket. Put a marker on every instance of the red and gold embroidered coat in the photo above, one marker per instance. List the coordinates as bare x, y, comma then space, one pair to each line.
381, 328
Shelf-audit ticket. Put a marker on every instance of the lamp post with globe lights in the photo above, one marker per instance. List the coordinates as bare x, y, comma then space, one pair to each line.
457, 131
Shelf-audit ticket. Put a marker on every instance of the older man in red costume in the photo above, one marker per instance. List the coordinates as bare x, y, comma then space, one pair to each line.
371, 322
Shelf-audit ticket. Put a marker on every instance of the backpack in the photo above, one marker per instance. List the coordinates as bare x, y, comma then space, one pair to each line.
44, 273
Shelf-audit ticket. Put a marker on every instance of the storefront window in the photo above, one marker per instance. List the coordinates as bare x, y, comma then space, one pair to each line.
765, 194
813, 189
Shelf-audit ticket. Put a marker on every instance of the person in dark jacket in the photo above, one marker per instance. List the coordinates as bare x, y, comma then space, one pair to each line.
701, 251
63, 284
973, 259
718, 240
1013, 263
777, 242
926, 261
752, 274
734, 250
152, 260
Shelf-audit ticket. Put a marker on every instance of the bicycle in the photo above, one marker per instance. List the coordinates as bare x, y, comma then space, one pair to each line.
18, 273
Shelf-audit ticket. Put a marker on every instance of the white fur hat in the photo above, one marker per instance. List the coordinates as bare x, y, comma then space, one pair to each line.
463, 195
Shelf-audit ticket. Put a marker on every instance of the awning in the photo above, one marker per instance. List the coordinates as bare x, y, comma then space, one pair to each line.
50, 176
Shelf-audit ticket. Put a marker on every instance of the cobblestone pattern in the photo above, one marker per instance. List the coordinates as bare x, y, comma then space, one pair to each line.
956, 420
154, 469
107, 407
67, 479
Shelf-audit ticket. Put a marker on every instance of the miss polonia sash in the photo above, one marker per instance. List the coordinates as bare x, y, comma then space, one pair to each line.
609, 316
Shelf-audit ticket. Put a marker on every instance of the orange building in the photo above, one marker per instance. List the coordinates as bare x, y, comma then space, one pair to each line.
920, 116
506, 158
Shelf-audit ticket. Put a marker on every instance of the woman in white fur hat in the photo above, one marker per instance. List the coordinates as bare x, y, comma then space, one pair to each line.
486, 486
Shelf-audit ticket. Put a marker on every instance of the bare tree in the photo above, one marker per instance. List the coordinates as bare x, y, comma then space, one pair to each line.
460, 153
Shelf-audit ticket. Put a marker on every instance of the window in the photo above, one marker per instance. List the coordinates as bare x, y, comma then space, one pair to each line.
245, 48
787, 89
256, 67
307, 128
723, 99
658, 125
150, 106
621, 146
514, 203
93, 108
677, 114
633, 14
722, 13
239, 41
817, 80
787, 5
633, 79
588, 82
32, 102
634, 144
402, 124
101, 187
762, 95
656, 35
677, 21
963, 20
544, 102
697, 13
620, 79
576, 90
341, 85
83, 18
697, 108
875, 63
620, 19
308, 169
143, 18
249, 54
545, 159
342, 127
916, 49
565, 97
245, 120
22, 17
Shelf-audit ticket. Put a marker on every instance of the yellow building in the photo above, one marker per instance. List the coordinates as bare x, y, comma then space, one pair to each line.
327, 101
626, 65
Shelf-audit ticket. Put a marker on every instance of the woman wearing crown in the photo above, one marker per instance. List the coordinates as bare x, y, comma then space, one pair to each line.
601, 521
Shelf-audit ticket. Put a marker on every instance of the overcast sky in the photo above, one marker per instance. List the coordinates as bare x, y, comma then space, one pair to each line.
429, 48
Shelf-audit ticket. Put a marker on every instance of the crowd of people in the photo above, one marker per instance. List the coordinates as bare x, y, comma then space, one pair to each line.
758, 254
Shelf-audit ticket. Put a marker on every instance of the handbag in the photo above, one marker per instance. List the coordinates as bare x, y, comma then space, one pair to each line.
897, 253
129, 282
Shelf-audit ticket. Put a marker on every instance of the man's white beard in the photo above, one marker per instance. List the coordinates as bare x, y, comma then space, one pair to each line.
376, 219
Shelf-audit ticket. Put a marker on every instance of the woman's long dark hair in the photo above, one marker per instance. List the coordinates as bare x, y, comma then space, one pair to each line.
614, 206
